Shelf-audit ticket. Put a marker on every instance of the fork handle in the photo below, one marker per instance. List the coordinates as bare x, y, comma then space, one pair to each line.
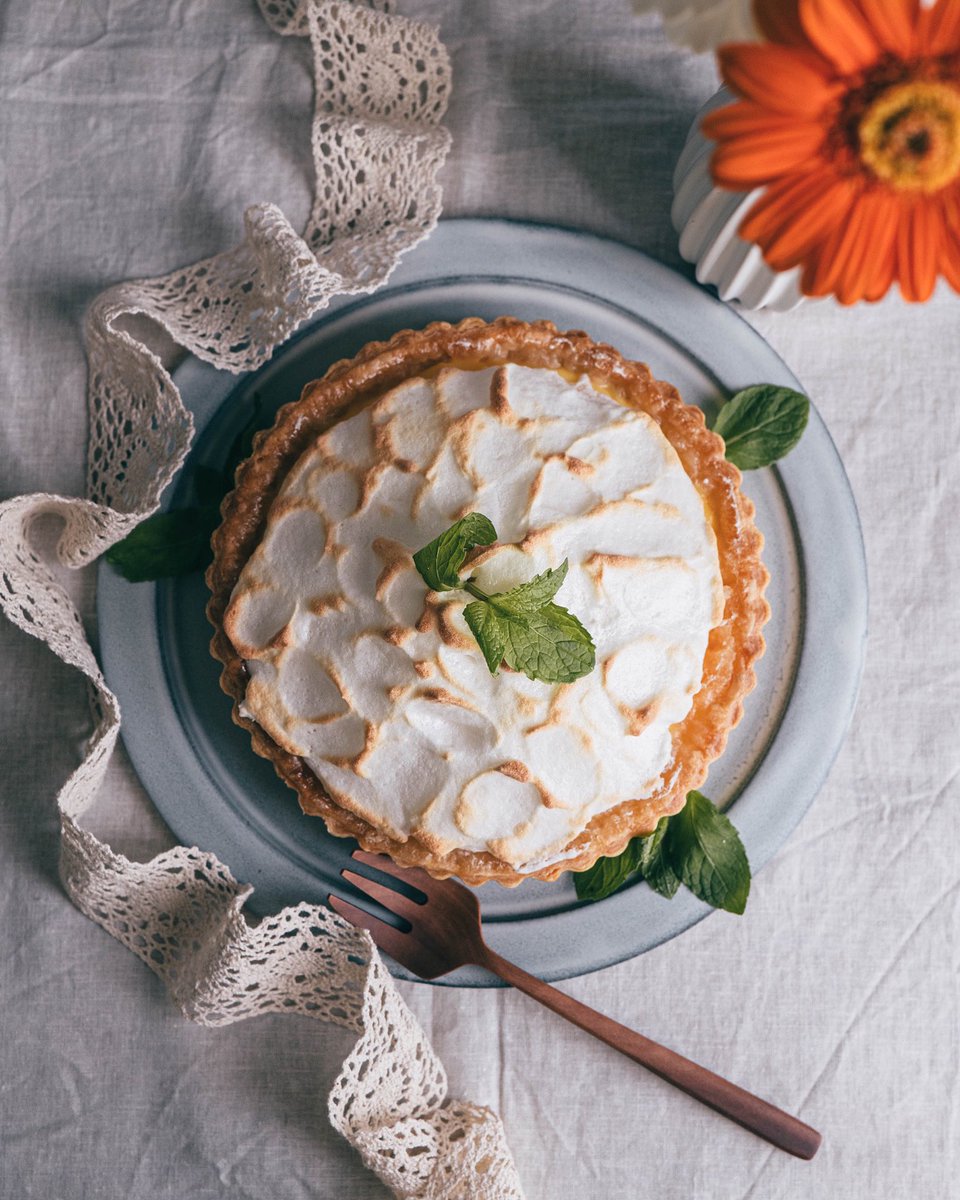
761, 1118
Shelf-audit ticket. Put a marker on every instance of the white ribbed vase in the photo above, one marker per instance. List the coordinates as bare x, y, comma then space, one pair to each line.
707, 218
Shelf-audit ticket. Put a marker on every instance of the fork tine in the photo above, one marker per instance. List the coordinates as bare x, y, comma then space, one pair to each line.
392, 901
394, 941
413, 876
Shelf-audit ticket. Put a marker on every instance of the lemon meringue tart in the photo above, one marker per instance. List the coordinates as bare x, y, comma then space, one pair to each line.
367, 689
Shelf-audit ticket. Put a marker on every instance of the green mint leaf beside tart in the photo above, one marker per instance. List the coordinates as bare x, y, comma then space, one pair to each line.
697, 846
643, 854
549, 644
487, 628
169, 543
439, 562
705, 851
655, 864
761, 424
608, 874
540, 590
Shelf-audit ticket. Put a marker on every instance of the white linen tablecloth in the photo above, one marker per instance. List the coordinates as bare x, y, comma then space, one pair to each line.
131, 138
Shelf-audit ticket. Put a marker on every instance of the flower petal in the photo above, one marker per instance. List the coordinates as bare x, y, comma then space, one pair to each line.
883, 269
795, 216
950, 262
786, 80
893, 23
949, 200
823, 269
780, 203
839, 31
880, 233
918, 244
742, 117
938, 28
864, 269
754, 158
779, 21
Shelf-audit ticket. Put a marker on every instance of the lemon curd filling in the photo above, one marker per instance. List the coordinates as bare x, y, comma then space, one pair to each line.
377, 683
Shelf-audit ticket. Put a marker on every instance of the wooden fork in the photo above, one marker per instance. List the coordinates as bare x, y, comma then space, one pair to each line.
445, 934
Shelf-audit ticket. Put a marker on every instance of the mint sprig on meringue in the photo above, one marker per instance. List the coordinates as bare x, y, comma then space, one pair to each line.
522, 627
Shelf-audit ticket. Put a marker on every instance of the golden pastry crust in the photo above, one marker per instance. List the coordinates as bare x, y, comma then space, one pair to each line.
734, 645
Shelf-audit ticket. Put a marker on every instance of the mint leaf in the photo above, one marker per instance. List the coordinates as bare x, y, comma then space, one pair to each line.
169, 543
654, 863
549, 644
521, 626
698, 846
643, 854
705, 850
487, 628
608, 874
540, 590
761, 424
439, 562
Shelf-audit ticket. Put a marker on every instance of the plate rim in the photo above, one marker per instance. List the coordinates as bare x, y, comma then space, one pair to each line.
417, 271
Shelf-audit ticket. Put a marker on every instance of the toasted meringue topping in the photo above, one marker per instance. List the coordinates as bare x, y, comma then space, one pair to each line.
377, 682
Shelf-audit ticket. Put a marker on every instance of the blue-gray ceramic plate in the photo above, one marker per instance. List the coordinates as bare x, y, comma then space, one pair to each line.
216, 793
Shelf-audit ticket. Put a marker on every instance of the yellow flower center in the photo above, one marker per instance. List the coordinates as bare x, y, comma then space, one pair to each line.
910, 135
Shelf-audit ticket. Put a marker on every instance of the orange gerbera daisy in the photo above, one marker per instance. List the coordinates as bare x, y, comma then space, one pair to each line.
849, 117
